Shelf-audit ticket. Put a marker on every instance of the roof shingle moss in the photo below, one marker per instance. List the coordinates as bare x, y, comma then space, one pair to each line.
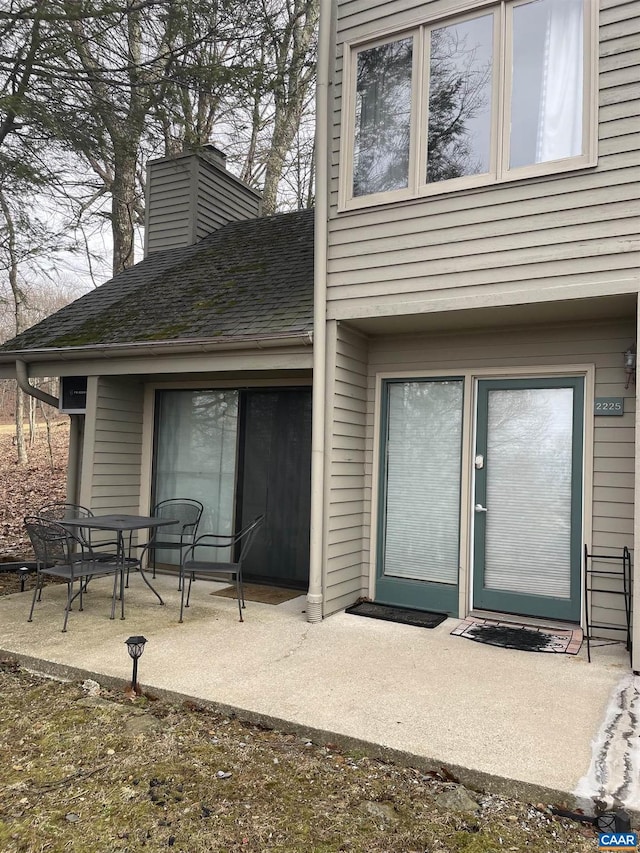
249, 278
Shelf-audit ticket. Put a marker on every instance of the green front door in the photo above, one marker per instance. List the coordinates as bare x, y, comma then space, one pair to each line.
419, 520
528, 497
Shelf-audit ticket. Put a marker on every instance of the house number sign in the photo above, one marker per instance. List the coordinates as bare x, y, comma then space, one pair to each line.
609, 406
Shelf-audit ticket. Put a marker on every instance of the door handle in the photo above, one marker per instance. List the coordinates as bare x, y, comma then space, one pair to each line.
480, 508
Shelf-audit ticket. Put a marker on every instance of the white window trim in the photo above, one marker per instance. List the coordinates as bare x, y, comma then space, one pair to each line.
498, 175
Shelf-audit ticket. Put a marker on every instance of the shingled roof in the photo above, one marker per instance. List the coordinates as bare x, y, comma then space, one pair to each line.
248, 279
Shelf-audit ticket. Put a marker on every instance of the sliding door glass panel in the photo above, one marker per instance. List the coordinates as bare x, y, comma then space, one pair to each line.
529, 468
423, 462
196, 441
547, 68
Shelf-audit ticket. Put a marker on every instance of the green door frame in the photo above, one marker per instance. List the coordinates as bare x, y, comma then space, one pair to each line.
398, 591
511, 602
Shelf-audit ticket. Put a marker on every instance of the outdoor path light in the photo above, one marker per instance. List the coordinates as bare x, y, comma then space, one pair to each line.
135, 647
23, 574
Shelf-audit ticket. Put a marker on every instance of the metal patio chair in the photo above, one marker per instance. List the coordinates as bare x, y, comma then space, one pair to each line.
187, 513
60, 511
215, 569
56, 555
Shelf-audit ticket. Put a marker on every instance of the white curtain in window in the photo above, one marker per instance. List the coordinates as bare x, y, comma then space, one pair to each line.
560, 118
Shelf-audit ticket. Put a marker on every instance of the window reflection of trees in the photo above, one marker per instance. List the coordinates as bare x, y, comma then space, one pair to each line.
459, 120
460, 72
383, 115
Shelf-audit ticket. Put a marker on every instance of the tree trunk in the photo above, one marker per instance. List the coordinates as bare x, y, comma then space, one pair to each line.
291, 87
123, 213
20, 442
284, 133
121, 116
32, 422
18, 300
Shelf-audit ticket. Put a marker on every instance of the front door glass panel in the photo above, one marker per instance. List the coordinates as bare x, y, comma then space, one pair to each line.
528, 497
529, 466
423, 467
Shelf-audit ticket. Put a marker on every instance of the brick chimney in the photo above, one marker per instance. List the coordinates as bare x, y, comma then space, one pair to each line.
192, 195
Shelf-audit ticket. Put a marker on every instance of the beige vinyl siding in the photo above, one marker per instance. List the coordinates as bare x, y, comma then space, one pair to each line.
602, 345
249, 361
221, 198
168, 205
117, 447
506, 243
190, 197
346, 575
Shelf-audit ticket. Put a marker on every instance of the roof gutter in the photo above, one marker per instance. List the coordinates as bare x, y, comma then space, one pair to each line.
138, 348
316, 555
22, 377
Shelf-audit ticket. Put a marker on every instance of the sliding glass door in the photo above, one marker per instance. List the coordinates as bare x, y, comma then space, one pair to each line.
196, 452
241, 453
275, 478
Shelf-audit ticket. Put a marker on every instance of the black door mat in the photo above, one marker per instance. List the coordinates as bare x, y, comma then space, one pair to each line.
526, 638
404, 615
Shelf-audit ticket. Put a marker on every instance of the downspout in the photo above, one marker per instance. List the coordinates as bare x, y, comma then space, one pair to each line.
635, 582
73, 465
22, 377
316, 555
23, 381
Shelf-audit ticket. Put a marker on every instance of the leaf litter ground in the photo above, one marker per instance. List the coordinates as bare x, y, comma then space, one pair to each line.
89, 769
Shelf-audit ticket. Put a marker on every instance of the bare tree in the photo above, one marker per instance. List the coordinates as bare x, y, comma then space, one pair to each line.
251, 86
113, 93
210, 52
28, 247
290, 31
269, 134
112, 82
12, 266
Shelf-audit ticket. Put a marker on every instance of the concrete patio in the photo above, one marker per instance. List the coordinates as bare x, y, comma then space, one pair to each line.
542, 727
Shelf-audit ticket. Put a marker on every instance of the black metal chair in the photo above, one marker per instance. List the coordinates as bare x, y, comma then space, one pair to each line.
187, 513
215, 569
60, 511
56, 555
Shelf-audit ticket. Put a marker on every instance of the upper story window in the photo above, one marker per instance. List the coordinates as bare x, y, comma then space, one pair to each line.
382, 117
502, 93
